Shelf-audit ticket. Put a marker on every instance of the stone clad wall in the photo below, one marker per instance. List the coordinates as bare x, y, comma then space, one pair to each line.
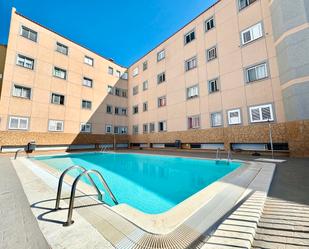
295, 133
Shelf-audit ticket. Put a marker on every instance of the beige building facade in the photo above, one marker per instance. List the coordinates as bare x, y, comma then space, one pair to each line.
218, 82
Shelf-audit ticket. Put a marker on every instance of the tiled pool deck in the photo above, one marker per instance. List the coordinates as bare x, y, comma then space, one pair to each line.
284, 223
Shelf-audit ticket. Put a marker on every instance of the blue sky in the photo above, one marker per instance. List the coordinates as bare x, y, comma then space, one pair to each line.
120, 29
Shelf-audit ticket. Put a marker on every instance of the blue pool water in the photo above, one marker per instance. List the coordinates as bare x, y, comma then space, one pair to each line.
151, 183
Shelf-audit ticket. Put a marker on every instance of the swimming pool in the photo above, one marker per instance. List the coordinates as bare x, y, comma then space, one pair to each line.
152, 184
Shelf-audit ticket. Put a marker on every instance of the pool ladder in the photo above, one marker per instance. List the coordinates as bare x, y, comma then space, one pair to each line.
104, 148
86, 173
218, 156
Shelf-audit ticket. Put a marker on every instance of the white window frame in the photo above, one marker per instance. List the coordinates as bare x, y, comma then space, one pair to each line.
260, 108
217, 85
164, 126
196, 122
86, 82
110, 70
25, 62
110, 127
146, 125
62, 75
145, 85
192, 92
61, 48
19, 119
53, 125
135, 129
88, 60
207, 21
57, 102
87, 103
215, 123
28, 36
161, 55
152, 125
191, 63
234, 120
256, 67
212, 53
159, 76
86, 125
135, 72
190, 39
159, 101
247, 4
22, 91
255, 31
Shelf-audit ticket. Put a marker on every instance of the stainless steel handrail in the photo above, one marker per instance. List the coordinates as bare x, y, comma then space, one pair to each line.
104, 148
61, 182
73, 190
15, 157
218, 155
229, 156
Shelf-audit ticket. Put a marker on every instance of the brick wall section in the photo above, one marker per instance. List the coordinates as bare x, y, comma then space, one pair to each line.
295, 133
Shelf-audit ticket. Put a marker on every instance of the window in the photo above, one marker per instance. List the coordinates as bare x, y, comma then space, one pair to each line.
161, 55
24, 61
252, 33
152, 127
87, 82
18, 123
135, 129
262, 113
145, 106
116, 130
60, 73
55, 125
234, 116
29, 33
244, 3
85, 127
120, 111
145, 65
189, 37
88, 60
211, 53
162, 101
194, 122
117, 91
161, 78
124, 93
191, 63
118, 74
86, 104
192, 92
257, 72
216, 119
57, 99
109, 109
209, 24
122, 129
135, 90
162, 126
145, 85
213, 86
145, 128
110, 70
61, 48
135, 72
108, 128
135, 109
22, 92
110, 90
124, 76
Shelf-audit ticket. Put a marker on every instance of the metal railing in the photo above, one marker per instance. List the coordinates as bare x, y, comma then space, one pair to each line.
60, 182
16, 153
218, 155
73, 190
86, 173
104, 148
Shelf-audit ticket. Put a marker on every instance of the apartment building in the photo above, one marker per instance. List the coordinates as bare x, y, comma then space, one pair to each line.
224, 80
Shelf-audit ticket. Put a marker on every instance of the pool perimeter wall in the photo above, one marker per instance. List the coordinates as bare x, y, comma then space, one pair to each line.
295, 133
